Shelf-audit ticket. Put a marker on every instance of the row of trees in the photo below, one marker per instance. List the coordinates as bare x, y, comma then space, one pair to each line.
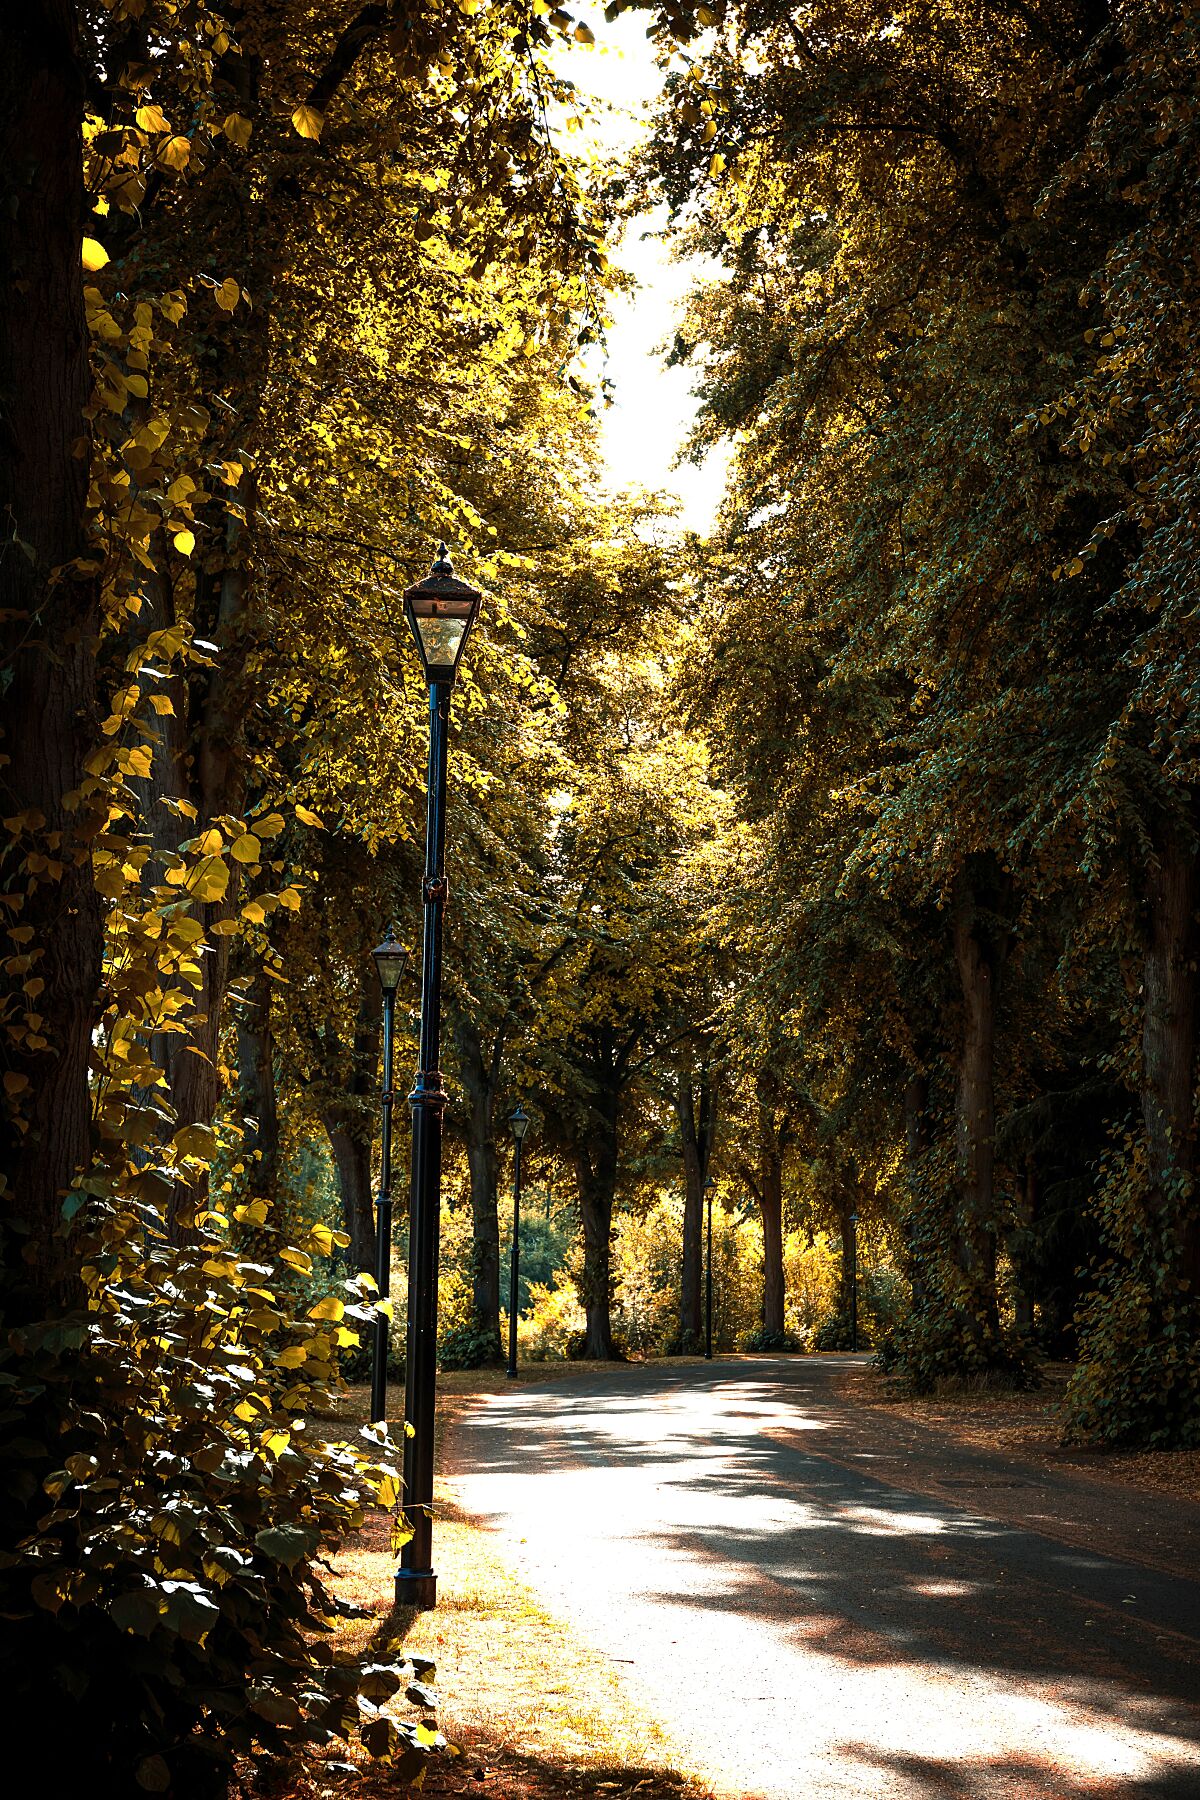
947, 649
850, 857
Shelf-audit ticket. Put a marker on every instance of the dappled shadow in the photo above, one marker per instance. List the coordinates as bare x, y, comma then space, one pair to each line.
713, 1504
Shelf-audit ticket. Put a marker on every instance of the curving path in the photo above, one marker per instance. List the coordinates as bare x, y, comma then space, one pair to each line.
824, 1604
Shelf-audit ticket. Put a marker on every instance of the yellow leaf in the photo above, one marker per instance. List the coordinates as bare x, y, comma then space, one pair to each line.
584, 35
289, 899
14, 1083
151, 118
237, 130
246, 849
308, 121
293, 1357
253, 1213
321, 1238
211, 879
210, 842
296, 1259
329, 1308
271, 826
185, 542
705, 15
309, 818
163, 705
95, 256
176, 153
716, 167
254, 911
228, 294
196, 1140
277, 1442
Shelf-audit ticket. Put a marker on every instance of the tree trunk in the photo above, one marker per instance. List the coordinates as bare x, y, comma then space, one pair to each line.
696, 1128
1019, 1252
916, 1143
256, 1080
770, 1206
351, 1150
49, 622
1169, 1041
479, 1079
350, 1123
596, 1162
979, 959
193, 1063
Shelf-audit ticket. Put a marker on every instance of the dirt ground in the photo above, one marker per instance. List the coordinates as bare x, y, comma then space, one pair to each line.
1028, 1426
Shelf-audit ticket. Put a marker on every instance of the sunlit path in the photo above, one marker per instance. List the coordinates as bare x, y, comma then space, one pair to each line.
805, 1629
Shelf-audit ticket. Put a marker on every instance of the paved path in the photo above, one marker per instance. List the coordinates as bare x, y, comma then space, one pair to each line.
808, 1627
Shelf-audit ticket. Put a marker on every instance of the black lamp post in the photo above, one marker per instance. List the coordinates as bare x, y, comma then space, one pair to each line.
518, 1125
709, 1185
391, 961
440, 611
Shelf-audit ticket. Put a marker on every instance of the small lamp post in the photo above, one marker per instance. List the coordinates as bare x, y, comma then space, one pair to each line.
391, 962
709, 1185
518, 1124
440, 611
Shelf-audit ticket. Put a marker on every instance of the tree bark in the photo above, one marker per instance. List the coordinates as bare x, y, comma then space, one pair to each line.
916, 1143
49, 621
596, 1164
480, 1080
256, 1080
770, 1206
351, 1151
350, 1122
696, 1131
1169, 1039
979, 958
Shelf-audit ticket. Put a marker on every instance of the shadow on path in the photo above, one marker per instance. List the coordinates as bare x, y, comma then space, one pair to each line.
810, 1629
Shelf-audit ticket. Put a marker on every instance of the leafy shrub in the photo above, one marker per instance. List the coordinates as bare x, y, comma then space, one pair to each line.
554, 1320
770, 1342
169, 1498
468, 1347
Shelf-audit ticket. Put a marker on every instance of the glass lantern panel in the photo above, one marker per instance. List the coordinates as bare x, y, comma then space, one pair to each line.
441, 639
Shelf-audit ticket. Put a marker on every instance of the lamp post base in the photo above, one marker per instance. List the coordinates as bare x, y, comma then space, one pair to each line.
416, 1587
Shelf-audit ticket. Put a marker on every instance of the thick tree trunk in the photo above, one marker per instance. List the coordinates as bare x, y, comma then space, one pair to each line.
1027, 1206
256, 1081
916, 1143
847, 1271
1169, 1040
193, 1064
596, 1163
48, 622
350, 1123
979, 959
694, 1110
770, 1206
351, 1150
479, 1079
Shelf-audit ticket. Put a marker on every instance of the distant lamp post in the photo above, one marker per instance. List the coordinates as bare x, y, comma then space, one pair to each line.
391, 962
854, 1281
518, 1124
440, 611
709, 1185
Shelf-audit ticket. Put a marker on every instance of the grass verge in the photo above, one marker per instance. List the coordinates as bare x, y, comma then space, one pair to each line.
535, 1713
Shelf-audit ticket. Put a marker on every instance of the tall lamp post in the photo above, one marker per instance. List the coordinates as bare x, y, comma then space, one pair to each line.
709, 1185
391, 962
518, 1125
440, 611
